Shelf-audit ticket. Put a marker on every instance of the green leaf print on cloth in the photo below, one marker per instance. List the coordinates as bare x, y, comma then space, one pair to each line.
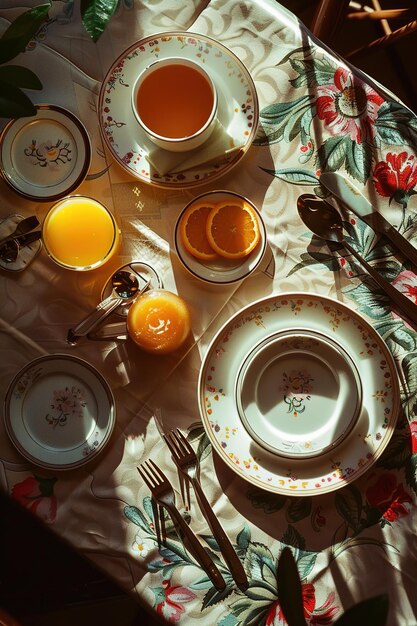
335, 119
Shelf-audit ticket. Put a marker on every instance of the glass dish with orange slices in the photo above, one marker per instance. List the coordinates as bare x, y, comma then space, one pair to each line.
220, 237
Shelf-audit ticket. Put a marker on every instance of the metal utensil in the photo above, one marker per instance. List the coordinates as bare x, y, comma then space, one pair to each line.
163, 493
325, 222
188, 464
24, 226
10, 249
125, 287
354, 200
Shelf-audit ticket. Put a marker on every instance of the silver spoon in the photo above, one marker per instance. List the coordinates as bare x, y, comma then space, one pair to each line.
125, 287
325, 222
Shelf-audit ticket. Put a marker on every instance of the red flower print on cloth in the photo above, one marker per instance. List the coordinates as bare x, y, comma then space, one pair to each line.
389, 497
396, 177
349, 106
322, 615
170, 600
318, 519
406, 282
413, 431
36, 495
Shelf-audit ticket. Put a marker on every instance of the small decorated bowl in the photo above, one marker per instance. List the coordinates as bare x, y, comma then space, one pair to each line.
220, 237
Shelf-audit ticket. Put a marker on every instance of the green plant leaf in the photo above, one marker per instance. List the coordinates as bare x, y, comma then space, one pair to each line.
19, 77
14, 103
96, 14
289, 589
372, 612
16, 37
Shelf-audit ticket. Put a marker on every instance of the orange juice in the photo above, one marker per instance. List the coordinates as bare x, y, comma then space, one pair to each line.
80, 233
158, 321
175, 100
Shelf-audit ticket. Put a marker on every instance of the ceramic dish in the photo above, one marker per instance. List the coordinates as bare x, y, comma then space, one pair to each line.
323, 318
46, 156
237, 106
221, 271
59, 411
298, 393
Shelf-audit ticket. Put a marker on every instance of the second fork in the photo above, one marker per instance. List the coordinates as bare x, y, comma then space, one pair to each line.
187, 462
163, 493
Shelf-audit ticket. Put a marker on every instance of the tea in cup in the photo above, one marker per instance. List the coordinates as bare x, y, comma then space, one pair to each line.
174, 101
159, 321
80, 233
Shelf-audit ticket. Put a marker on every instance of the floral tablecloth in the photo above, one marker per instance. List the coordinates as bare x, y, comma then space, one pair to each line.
316, 114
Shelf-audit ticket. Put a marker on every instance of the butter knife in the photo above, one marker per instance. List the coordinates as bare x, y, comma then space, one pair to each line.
354, 200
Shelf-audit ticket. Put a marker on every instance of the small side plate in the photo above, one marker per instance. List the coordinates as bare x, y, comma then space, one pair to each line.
59, 411
46, 156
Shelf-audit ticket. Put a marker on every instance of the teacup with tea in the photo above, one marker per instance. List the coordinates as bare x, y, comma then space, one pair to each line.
175, 102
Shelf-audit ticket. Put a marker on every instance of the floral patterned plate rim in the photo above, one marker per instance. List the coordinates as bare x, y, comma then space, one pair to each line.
322, 406
59, 411
238, 108
46, 156
371, 431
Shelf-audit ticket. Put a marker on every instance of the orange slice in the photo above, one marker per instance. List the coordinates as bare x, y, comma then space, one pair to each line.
193, 231
233, 229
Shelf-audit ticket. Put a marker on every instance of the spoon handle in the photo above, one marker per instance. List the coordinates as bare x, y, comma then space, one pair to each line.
103, 309
406, 305
23, 227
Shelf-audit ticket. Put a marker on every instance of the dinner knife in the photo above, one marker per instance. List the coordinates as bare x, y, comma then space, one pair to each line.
354, 200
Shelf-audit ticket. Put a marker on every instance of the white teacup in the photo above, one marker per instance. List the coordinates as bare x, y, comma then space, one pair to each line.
175, 102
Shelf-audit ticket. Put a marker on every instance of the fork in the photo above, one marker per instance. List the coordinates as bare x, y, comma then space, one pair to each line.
163, 493
188, 465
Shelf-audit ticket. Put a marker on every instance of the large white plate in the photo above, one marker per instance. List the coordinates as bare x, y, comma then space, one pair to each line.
46, 156
59, 411
361, 445
237, 111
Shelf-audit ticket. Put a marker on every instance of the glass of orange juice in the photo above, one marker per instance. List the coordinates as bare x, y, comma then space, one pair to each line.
80, 233
159, 321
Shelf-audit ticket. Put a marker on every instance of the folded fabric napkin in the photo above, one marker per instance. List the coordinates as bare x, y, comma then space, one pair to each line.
219, 144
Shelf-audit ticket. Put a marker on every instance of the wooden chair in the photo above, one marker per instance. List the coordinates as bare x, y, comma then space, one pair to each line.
330, 15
